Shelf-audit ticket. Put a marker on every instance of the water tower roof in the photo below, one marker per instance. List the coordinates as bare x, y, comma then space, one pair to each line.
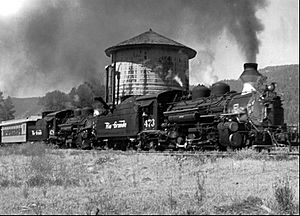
151, 38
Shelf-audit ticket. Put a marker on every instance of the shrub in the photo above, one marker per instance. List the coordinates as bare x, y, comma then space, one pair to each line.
9, 183
37, 180
250, 205
282, 156
248, 154
4, 183
284, 196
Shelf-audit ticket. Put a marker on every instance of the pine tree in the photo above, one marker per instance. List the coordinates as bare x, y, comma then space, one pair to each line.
6, 108
2, 110
9, 108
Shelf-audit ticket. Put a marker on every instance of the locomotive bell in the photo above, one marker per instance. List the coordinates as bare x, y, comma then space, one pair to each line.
250, 77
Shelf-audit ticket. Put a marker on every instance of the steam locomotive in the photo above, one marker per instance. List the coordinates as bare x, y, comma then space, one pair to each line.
214, 118
210, 118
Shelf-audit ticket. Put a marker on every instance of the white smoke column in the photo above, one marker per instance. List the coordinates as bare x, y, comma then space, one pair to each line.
178, 80
207, 21
203, 71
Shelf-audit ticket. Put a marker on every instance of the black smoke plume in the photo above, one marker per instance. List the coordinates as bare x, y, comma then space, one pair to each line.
58, 44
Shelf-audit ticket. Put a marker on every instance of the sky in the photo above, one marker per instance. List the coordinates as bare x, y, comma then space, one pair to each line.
59, 44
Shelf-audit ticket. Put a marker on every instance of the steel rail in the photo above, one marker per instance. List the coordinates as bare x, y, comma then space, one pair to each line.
193, 154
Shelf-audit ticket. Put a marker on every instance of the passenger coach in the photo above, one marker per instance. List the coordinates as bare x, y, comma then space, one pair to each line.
20, 130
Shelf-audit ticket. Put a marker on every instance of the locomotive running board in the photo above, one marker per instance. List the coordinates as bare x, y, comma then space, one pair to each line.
179, 111
230, 114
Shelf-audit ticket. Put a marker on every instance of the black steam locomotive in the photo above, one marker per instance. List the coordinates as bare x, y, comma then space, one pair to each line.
215, 118
211, 118
69, 128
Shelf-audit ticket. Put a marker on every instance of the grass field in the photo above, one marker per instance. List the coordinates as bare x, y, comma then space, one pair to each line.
38, 180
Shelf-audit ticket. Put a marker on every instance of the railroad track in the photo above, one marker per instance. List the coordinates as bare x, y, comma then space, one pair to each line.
194, 153
273, 153
215, 154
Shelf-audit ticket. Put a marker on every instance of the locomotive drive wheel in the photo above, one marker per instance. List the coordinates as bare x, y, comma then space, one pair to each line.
131, 145
152, 145
86, 145
236, 140
149, 145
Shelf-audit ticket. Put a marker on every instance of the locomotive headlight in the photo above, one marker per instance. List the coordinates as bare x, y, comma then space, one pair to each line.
271, 87
233, 126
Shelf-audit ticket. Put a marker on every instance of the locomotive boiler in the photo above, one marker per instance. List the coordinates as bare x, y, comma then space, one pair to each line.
219, 118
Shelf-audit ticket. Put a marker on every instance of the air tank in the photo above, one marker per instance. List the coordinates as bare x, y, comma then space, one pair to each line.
219, 89
200, 91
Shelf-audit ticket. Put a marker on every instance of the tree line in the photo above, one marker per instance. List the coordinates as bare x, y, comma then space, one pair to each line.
80, 97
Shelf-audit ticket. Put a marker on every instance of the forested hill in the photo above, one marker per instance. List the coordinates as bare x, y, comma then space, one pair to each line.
25, 107
287, 79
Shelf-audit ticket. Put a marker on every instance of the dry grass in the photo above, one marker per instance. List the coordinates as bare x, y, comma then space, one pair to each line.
36, 180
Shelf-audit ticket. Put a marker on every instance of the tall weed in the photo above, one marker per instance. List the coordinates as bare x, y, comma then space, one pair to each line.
284, 196
200, 190
248, 154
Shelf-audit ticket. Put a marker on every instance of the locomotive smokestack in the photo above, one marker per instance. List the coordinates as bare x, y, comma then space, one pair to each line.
250, 77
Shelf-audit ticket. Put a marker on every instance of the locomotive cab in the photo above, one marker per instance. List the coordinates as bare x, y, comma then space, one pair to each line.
151, 108
136, 122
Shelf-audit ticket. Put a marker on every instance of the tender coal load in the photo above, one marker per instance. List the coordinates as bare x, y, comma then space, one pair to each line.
219, 89
200, 91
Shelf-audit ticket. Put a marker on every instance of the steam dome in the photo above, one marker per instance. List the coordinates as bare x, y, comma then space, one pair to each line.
200, 91
219, 89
